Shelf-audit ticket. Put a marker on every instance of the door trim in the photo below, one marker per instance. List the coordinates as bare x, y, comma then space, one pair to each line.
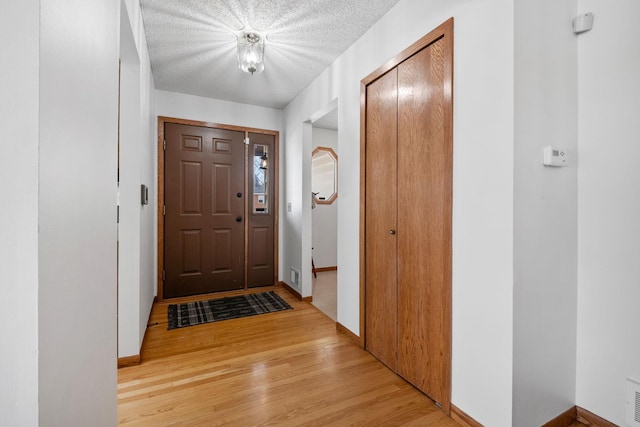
444, 30
162, 120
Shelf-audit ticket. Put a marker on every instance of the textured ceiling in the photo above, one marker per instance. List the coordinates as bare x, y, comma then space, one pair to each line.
192, 44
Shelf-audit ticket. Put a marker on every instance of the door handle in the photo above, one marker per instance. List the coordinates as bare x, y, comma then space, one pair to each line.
238, 195
238, 218
392, 231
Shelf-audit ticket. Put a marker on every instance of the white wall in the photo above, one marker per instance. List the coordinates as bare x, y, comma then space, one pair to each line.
181, 106
19, 216
545, 212
149, 177
136, 264
129, 193
609, 207
325, 217
77, 242
483, 184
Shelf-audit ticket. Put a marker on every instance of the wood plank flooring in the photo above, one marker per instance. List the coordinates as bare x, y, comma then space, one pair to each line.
289, 368
325, 293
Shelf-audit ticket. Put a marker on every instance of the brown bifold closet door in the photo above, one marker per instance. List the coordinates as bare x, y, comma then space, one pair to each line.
424, 218
381, 243
408, 149
260, 230
204, 210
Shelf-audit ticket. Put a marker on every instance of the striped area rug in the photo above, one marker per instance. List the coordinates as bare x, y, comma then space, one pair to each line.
196, 313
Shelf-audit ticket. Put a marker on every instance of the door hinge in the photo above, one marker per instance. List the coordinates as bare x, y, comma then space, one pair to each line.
246, 141
164, 145
164, 210
164, 275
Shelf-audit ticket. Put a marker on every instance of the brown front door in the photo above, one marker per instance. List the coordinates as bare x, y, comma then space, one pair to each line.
260, 258
204, 210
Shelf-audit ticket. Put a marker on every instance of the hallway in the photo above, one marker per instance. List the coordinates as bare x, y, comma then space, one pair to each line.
285, 368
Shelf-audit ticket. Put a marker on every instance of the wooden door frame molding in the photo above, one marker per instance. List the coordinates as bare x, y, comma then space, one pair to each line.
162, 120
444, 30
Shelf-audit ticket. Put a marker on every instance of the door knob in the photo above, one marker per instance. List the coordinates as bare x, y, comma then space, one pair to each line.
392, 231
238, 219
238, 195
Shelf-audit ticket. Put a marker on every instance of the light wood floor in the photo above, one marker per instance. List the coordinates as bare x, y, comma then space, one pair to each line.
325, 293
287, 368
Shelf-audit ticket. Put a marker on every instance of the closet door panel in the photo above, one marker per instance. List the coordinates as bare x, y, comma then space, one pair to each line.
381, 220
424, 222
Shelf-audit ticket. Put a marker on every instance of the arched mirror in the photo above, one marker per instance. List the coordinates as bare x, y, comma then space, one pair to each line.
324, 175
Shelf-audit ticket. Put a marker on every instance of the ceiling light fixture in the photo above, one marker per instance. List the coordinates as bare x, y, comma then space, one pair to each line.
251, 53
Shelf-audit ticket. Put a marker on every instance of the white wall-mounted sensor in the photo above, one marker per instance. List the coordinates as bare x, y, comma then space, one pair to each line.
583, 23
554, 156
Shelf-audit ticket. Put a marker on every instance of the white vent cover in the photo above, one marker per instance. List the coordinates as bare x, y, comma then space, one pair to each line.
633, 403
295, 279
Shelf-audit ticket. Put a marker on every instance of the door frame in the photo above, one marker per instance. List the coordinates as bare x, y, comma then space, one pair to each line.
444, 30
162, 120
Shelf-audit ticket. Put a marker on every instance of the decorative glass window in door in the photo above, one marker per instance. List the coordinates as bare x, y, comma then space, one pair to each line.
260, 178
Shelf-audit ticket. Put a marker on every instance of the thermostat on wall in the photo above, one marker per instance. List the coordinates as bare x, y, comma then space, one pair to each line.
554, 156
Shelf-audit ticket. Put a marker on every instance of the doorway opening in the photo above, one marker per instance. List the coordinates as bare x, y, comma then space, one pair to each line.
324, 213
